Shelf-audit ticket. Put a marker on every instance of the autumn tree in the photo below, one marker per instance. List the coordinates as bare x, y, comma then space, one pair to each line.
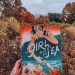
68, 13
8, 7
42, 19
25, 16
13, 8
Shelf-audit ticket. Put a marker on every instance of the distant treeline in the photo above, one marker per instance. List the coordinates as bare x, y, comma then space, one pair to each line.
14, 8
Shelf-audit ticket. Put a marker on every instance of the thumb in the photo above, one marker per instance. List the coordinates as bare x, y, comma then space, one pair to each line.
17, 64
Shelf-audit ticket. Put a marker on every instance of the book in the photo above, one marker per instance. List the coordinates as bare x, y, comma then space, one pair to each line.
41, 50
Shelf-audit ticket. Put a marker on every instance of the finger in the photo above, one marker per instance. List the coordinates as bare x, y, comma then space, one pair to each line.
20, 69
18, 64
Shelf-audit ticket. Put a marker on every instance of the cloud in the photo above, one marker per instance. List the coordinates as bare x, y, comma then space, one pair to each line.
31, 2
45, 6
38, 1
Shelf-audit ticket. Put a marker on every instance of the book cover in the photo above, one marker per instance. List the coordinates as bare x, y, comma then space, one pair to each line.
41, 50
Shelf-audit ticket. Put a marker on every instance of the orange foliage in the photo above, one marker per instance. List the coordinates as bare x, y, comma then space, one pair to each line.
24, 15
69, 12
42, 20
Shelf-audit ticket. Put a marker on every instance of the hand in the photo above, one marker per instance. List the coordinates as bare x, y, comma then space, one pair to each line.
17, 68
47, 63
42, 36
35, 36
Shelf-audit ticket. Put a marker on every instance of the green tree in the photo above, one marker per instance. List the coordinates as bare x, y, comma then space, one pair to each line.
54, 17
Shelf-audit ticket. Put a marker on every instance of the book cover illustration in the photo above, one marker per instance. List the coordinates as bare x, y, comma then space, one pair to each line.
41, 50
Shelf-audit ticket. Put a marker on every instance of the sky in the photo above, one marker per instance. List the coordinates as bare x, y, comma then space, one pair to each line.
44, 6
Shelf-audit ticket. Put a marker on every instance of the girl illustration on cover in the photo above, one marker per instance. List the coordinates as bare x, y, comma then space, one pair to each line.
38, 32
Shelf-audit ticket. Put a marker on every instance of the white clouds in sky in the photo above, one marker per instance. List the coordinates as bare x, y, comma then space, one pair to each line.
45, 6
31, 2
